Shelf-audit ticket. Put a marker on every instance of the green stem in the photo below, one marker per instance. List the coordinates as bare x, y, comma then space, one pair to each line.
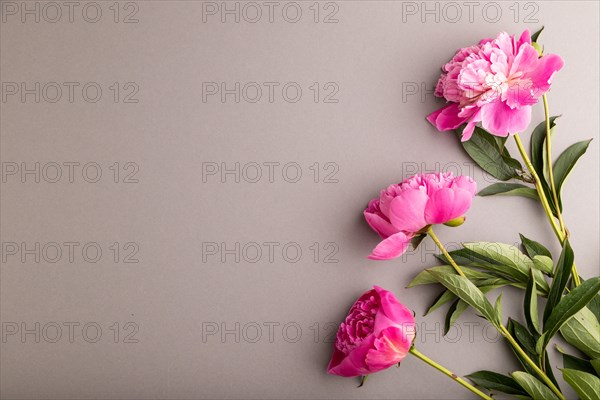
448, 373
563, 227
540, 190
444, 252
538, 186
529, 361
550, 169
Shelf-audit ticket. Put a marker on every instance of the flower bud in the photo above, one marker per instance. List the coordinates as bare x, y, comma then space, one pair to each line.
456, 222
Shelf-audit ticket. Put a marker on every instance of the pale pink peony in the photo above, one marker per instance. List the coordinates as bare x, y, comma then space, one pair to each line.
377, 333
404, 209
495, 83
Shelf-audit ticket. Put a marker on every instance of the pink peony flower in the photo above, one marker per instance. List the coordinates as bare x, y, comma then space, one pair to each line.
407, 208
495, 83
377, 333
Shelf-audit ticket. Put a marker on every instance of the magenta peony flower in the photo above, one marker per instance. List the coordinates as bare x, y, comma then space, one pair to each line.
495, 82
377, 333
407, 208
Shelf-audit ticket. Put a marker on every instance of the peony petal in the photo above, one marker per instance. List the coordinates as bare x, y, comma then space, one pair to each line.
501, 120
392, 312
521, 93
446, 118
407, 210
505, 43
380, 225
464, 182
447, 204
519, 119
495, 117
352, 364
525, 38
392, 247
526, 60
547, 66
468, 131
389, 349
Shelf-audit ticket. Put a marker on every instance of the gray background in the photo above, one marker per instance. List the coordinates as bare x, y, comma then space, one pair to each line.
171, 296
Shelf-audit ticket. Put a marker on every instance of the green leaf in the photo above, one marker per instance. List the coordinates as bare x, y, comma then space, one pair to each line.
469, 293
509, 189
540, 281
570, 304
533, 248
443, 298
565, 163
538, 140
483, 149
506, 255
583, 332
502, 274
525, 341
543, 264
447, 296
455, 310
550, 371
572, 362
424, 278
587, 386
536, 389
498, 307
495, 381
416, 240
500, 142
530, 306
538, 159
536, 35
465, 256
561, 277
596, 365
594, 307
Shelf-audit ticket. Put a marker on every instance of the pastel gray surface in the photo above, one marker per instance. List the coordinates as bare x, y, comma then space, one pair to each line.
181, 322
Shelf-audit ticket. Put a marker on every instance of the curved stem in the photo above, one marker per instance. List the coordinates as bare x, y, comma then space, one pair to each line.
529, 361
448, 373
538, 186
563, 227
540, 190
550, 169
444, 252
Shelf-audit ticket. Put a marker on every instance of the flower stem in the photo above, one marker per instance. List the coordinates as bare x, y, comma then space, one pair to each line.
538, 186
550, 169
563, 227
529, 361
448, 373
443, 249
540, 190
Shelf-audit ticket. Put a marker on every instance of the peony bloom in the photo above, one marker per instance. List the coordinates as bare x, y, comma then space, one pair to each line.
377, 333
495, 83
409, 207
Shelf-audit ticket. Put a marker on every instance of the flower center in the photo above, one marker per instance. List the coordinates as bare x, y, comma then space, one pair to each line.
358, 325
